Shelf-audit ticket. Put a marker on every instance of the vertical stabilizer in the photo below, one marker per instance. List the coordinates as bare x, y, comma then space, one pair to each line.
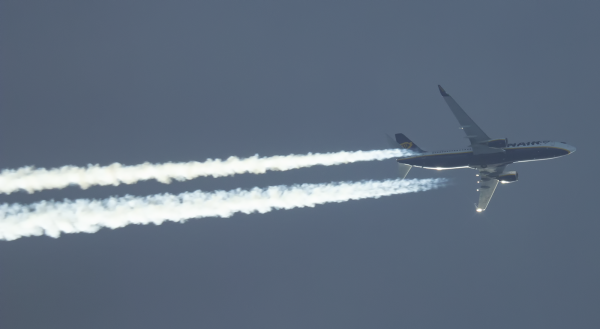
407, 144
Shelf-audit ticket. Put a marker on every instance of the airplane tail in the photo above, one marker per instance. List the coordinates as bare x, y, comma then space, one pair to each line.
407, 144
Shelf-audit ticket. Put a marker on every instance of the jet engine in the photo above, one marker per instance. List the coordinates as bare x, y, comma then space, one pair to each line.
508, 177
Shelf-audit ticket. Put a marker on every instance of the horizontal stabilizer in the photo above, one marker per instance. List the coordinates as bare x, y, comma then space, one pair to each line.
403, 170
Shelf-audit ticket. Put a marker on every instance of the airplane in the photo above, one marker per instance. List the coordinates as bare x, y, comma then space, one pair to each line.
489, 156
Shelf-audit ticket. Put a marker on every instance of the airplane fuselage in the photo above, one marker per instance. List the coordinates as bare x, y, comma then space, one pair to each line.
488, 156
464, 158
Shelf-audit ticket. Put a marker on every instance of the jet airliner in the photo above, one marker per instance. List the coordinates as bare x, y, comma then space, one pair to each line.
489, 156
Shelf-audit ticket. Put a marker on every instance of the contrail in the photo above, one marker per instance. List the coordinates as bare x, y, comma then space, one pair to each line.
84, 215
31, 179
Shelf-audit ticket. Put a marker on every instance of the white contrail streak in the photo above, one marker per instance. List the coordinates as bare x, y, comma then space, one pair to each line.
31, 179
83, 215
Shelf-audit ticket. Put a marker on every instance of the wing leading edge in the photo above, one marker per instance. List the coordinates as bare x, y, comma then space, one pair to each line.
477, 137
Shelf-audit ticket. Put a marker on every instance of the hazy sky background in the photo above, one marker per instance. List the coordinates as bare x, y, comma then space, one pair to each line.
134, 81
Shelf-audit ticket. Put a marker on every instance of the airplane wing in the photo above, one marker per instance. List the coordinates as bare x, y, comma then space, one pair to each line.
488, 183
474, 133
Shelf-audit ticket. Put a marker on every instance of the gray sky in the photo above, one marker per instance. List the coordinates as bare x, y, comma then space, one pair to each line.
128, 82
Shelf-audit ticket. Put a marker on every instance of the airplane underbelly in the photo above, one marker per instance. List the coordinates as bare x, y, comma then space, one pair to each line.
447, 160
456, 160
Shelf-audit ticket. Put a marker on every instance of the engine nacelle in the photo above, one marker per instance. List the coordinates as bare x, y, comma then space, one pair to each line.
498, 143
508, 177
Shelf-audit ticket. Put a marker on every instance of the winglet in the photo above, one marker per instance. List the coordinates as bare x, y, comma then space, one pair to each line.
442, 91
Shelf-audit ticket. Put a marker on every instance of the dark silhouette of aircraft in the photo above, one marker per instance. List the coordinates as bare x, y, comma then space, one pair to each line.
489, 156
